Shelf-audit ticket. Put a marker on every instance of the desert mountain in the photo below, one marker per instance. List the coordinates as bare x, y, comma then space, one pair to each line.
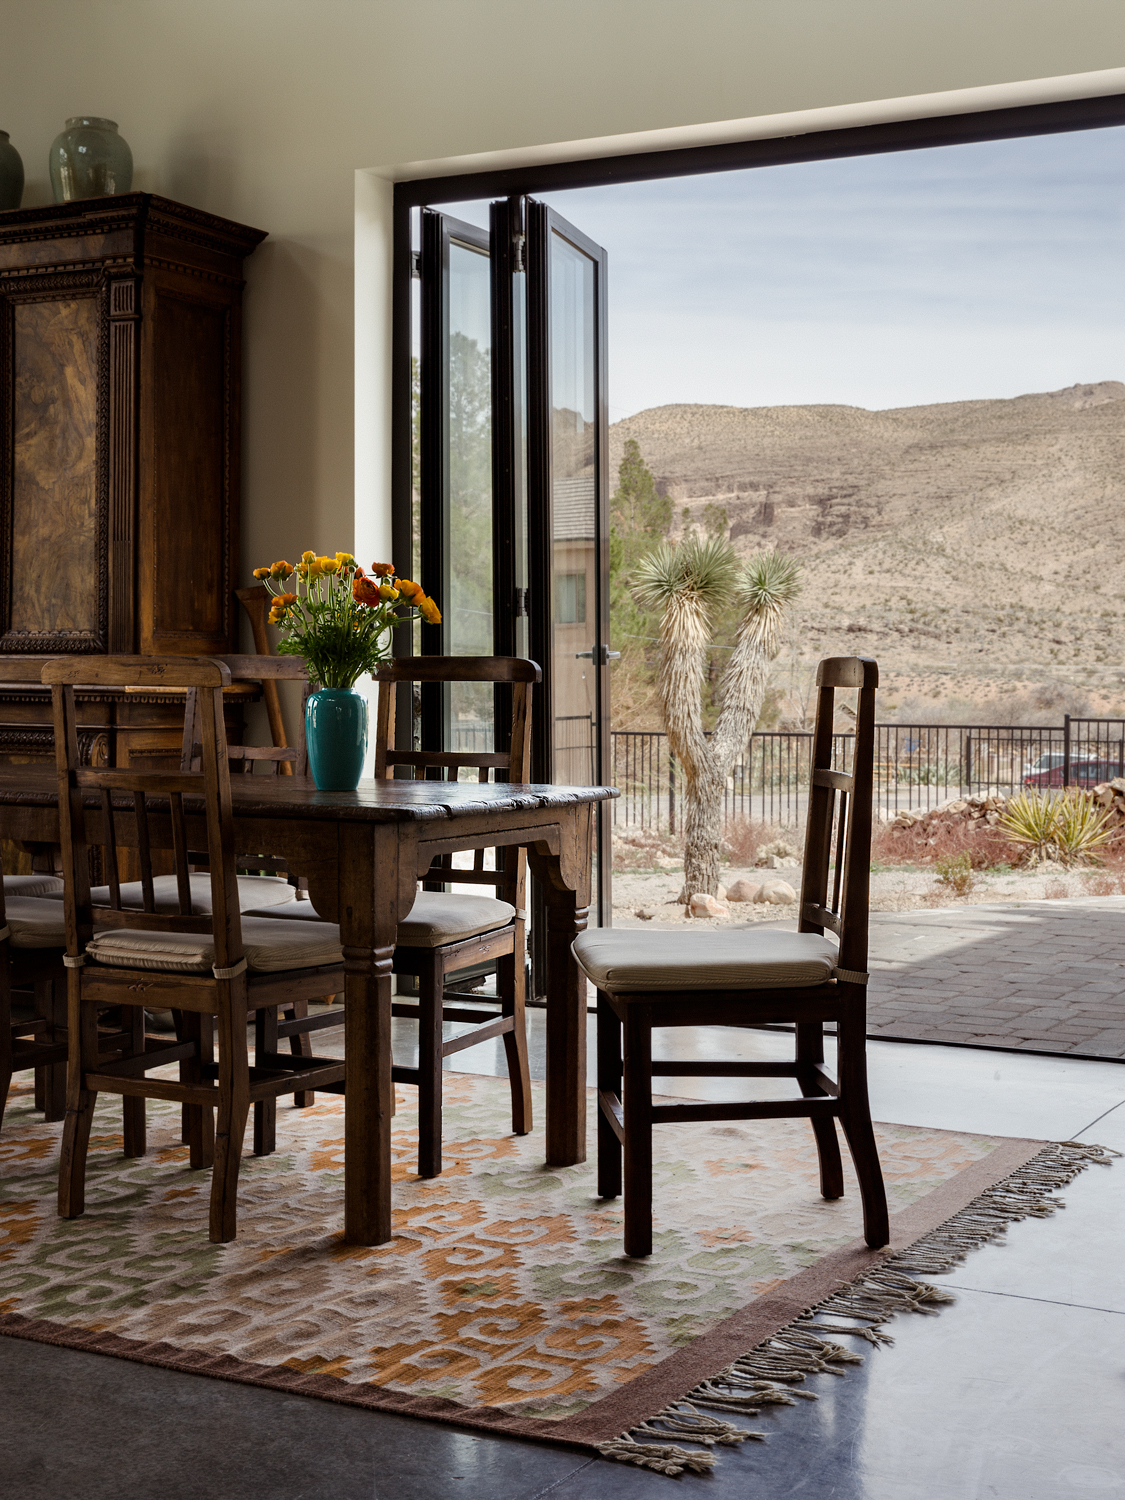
976, 548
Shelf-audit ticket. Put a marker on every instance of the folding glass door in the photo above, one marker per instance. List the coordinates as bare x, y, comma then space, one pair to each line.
511, 487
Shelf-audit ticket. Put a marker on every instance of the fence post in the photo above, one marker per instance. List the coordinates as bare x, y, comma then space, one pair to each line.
1066, 750
671, 792
969, 761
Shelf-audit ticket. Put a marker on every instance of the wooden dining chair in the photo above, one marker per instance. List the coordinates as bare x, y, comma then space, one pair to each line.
32, 993
449, 933
750, 977
206, 964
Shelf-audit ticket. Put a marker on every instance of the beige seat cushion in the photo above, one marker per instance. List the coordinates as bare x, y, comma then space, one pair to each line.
35, 922
32, 885
253, 891
625, 959
270, 947
434, 920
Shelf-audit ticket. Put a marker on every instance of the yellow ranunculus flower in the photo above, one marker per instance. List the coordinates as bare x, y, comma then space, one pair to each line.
281, 569
327, 565
262, 572
429, 611
308, 557
345, 559
386, 592
302, 570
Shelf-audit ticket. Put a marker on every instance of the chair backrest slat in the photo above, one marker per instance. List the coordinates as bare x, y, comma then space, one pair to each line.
508, 764
836, 880
151, 791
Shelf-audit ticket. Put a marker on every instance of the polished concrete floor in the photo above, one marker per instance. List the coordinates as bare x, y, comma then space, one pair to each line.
1015, 1392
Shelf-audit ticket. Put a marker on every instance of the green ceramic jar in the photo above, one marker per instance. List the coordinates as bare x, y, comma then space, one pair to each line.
11, 173
89, 160
336, 738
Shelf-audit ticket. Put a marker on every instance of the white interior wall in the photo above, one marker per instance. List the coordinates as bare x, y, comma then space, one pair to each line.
265, 110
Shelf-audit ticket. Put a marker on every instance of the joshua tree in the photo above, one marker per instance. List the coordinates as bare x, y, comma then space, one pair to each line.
690, 584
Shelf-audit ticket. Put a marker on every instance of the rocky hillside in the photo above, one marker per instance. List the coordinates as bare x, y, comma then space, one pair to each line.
976, 548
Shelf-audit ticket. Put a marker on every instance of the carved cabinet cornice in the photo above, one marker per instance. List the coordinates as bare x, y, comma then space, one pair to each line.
119, 427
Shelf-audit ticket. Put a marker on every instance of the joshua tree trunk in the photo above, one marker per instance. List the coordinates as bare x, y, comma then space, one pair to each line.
767, 587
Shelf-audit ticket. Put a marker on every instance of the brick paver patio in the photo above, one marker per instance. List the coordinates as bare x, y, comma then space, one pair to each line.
1041, 975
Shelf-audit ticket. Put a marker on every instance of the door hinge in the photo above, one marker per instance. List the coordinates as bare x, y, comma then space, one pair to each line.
521, 602
415, 265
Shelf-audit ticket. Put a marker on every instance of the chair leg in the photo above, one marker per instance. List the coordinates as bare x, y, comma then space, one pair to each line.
234, 1110
430, 993
511, 977
82, 1053
855, 1117
133, 1108
198, 1027
637, 1103
300, 1044
265, 1110
609, 1082
810, 1049
6, 1039
51, 997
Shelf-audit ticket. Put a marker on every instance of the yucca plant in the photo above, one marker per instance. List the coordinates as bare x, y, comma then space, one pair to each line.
1081, 827
1069, 828
689, 584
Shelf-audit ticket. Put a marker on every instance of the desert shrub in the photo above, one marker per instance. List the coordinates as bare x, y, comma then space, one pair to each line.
745, 838
1105, 883
944, 839
1071, 828
956, 872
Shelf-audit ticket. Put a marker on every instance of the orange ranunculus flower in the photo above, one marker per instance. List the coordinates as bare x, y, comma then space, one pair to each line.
261, 572
387, 592
308, 557
430, 612
364, 591
281, 570
383, 570
412, 591
302, 570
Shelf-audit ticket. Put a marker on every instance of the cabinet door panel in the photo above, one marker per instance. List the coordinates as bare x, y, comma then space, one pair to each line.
53, 585
190, 503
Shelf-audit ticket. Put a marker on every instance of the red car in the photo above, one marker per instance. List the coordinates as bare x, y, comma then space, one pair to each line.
1085, 770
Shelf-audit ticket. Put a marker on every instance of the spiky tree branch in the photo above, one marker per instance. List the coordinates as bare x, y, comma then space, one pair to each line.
689, 584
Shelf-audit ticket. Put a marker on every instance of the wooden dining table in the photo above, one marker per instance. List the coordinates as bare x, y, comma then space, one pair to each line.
363, 853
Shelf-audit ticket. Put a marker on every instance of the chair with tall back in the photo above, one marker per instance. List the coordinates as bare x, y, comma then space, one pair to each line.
214, 966
750, 977
447, 933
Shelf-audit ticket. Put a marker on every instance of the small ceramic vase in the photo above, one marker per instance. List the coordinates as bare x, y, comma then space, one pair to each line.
336, 738
11, 173
89, 160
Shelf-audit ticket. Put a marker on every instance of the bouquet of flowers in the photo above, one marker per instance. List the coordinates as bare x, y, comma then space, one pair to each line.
337, 617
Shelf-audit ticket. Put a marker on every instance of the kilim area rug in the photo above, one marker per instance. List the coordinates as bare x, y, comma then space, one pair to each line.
503, 1300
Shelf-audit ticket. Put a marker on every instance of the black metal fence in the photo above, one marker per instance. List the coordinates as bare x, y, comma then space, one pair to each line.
916, 766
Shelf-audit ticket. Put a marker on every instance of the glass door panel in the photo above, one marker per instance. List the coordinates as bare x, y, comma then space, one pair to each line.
455, 444
567, 502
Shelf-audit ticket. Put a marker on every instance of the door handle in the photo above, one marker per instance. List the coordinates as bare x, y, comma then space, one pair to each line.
602, 654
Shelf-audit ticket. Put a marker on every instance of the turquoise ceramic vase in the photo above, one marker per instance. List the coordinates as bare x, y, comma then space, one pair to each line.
89, 160
11, 173
336, 737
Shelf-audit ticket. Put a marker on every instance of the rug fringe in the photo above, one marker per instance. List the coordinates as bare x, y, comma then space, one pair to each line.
758, 1377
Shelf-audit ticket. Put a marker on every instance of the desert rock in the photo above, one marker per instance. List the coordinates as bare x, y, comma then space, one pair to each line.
743, 890
777, 893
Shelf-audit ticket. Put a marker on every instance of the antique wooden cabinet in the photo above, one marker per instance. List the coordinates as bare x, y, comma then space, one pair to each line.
120, 333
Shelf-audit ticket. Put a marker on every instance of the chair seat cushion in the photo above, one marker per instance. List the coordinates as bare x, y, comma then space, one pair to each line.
253, 891
32, 885
36, 922
434, 920
625, 959
270, 947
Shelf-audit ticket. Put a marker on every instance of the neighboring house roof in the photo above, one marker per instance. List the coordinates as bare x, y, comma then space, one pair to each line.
574, 504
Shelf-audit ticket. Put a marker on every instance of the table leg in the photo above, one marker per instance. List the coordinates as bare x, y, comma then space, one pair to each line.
566, 885
368, 907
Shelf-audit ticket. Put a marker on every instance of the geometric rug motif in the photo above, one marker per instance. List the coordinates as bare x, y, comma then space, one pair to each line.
504, 1285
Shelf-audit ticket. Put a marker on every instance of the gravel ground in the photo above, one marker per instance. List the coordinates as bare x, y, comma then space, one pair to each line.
893, 889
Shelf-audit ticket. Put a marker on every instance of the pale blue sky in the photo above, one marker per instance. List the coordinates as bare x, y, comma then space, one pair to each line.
940, 275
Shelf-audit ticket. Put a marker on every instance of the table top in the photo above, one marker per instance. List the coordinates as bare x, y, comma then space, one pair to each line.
389, 801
